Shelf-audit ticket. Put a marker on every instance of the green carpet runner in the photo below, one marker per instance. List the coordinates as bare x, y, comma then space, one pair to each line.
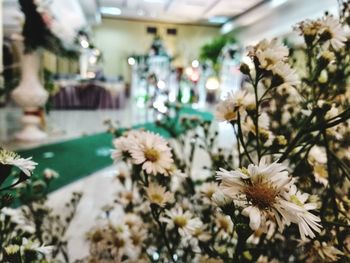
77, 158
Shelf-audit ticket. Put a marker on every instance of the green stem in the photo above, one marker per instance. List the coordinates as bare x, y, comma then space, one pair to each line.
240, 136
162, 231
342, 117
296, 139
238, 148
331, 179
339, 224
256, 119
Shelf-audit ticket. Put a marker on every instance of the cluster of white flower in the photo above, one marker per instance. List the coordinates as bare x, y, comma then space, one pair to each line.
272, 56
147, 149
118, 241
326, 30
235, 104
274, 117
266, 192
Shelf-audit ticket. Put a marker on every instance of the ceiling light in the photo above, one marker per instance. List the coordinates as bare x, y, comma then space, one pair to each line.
228, 27
91, 75
154, 1
195, 63
92, 60
131, 61
161, 84
218, 19
114, 11
275, 3
212, 83
84, 43
188, 71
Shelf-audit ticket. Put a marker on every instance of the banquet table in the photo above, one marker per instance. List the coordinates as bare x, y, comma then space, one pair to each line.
89, 96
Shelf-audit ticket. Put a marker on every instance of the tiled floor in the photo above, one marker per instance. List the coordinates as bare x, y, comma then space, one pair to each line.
68, 124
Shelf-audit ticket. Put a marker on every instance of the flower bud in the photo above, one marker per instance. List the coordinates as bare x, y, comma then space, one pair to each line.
277, 80
264, 135
280, 140
325, 58
323, 78
325, 35
244, 68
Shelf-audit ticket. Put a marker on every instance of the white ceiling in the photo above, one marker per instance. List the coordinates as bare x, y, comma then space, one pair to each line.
179, 11
174, 11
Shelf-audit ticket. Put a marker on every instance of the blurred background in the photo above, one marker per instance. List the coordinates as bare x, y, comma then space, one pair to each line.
70, 64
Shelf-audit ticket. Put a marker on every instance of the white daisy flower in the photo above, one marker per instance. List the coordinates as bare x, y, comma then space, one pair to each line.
183, 221
35, 246
207, 190
268, 53
263, 122
50, 174
11, 158
12, 249
132, 220
174, 171
158, 195
153, 153
225, 111
332, 32
123, 145
308, 27
317, 158
265, 191
294, 209
322, 252
113, 241
17, 217
126, 197
224, 223
239, 101
285, 75
241, 98
317, 154
220, 199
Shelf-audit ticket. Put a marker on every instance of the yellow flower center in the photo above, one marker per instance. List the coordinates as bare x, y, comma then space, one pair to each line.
129, 196
269, 61
152, 155
136, 239
209, 192
230, 115
244, 171
295, 200
320, 171
261, 195
223, 224
326, 35
180, 221
97, 236
156, 198
119, 242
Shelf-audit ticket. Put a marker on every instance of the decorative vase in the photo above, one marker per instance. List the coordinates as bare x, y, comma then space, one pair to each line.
31, 97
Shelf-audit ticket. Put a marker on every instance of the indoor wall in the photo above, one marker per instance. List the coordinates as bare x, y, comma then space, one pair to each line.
118, 39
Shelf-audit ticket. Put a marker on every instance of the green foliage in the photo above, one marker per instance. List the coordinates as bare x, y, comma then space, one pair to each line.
211, 51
